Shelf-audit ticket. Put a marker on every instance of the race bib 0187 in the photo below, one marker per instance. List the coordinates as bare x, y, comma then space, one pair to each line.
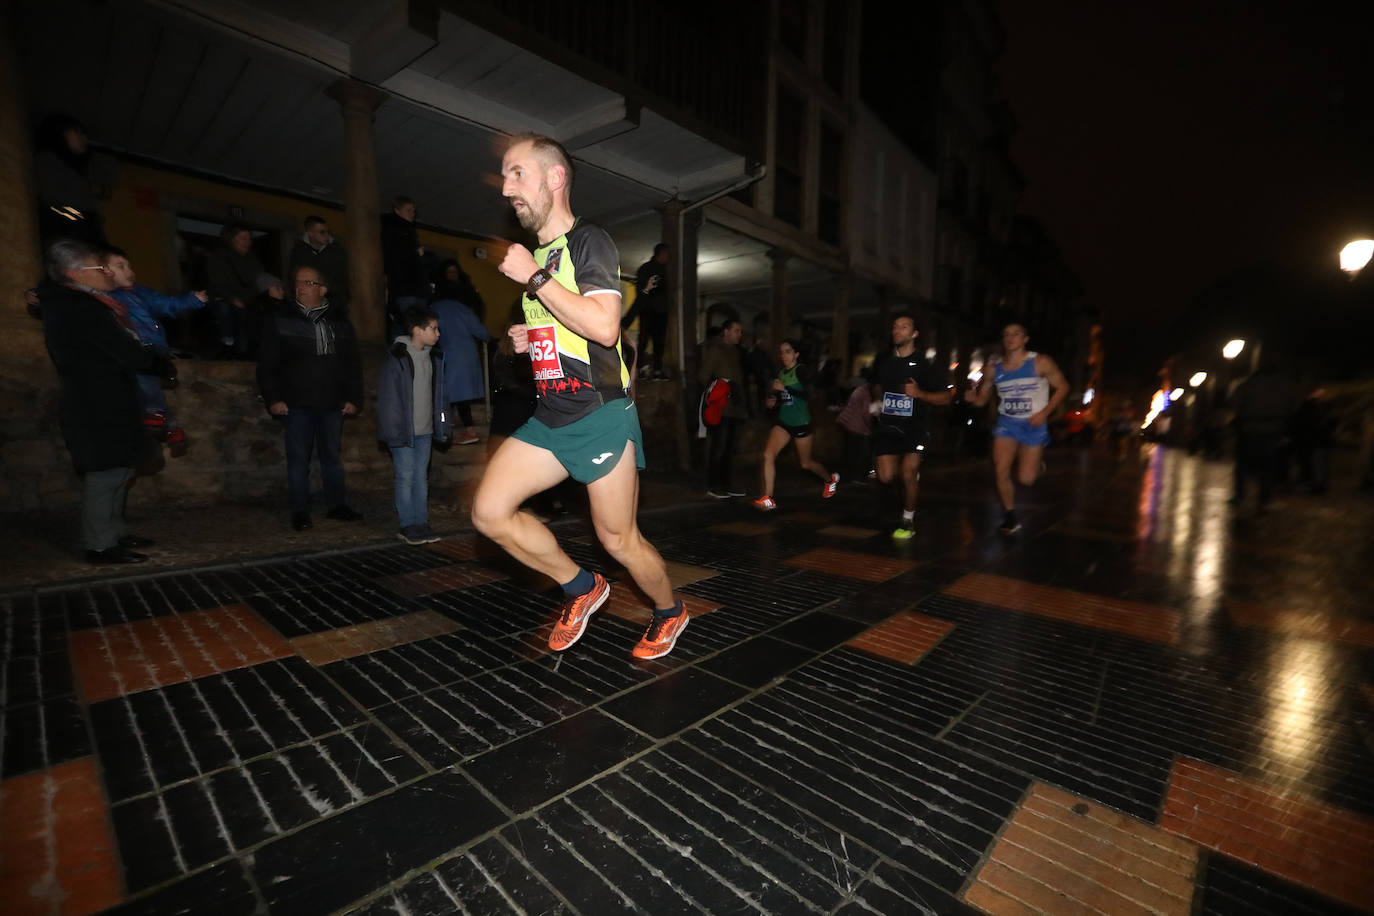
1017, 407
544, 352
896, 405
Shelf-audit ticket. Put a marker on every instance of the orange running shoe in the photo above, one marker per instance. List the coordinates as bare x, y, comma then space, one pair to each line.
765, 504
572, 622
661, 635
828, 490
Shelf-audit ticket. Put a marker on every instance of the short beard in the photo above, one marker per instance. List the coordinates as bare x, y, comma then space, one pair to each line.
536, 212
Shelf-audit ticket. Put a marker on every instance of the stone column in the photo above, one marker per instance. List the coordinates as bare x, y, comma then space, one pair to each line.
672, 233
779, 317
367, 283
839, 325
21, 337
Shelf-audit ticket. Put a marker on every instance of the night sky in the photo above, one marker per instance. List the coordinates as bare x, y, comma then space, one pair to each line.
1169, 145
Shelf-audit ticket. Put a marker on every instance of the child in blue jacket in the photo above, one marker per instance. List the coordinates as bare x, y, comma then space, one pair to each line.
412, 414
145, 307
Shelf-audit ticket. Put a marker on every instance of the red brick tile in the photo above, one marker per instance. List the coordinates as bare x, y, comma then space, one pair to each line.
1061, 853
628, 603
1309, 624
350, 642
996, 902
904, 637
57, 855
440, 579
1283, 832
130, 657
850, 564
1132, 618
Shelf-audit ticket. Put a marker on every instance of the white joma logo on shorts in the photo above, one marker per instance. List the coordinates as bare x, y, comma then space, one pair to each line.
604, 456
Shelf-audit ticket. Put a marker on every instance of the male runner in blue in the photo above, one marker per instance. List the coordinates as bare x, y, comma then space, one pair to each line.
1030, 386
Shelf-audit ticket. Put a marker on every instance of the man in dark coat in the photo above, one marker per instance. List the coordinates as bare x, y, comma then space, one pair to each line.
318, 248
405, 263
98, 357
311, 377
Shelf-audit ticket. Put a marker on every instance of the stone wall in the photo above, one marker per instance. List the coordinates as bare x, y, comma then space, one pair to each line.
237, 451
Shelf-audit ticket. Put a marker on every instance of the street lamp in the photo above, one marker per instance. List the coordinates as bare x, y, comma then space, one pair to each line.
1197, 379
1356, 255
1175, 394
1232, 348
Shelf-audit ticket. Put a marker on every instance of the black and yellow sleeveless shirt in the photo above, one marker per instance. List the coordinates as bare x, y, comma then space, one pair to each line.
574, 376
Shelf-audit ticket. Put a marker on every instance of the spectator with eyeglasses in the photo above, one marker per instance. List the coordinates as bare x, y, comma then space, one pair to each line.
310, 375
93, 344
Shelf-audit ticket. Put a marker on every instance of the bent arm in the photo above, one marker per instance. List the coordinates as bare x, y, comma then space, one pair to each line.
1059, 386
595, 317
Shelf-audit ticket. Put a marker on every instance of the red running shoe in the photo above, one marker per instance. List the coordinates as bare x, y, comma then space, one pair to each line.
572, 621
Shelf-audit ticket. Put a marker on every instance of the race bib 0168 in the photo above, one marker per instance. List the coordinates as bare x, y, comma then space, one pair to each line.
896, 405
544, 352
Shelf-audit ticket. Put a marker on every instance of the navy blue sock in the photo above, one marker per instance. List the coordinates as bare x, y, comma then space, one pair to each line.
669, 612
580, 584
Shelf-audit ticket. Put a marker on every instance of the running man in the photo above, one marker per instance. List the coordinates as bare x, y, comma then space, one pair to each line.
791, 423
584, 424
1030, 387
910, 384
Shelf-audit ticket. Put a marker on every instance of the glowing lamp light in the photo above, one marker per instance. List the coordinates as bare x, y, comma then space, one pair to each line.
1232, 348
1197, 379
1176, 394
1356, 255
1088, 396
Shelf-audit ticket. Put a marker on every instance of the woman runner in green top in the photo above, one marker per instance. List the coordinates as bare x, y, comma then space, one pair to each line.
791, 422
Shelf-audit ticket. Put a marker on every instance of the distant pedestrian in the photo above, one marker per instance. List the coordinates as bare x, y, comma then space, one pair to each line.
318, 248
403, 262
463, 334
1264, 407
722, 363
651, 307
232, 276
412, 415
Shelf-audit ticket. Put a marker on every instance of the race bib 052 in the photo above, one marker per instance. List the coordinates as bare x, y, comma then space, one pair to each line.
544, 352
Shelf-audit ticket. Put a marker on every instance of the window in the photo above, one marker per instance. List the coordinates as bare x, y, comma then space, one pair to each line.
830, 210
792, 26
835, 62
790, 154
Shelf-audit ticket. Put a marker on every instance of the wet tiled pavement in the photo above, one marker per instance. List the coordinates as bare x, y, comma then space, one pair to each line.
1146, 702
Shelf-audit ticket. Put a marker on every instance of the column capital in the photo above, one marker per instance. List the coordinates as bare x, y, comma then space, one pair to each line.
356, 96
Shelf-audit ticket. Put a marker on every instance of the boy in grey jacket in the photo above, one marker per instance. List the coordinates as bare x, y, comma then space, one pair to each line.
411, 415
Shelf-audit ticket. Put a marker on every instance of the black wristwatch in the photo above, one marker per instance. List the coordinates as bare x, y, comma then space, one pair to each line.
538, 279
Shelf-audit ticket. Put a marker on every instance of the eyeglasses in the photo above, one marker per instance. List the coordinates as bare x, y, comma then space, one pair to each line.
309, 283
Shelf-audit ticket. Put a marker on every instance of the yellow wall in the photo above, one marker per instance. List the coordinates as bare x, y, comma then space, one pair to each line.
134, 221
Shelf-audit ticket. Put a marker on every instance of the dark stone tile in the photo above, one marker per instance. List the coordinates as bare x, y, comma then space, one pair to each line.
248, 817
492, 863
219, 891
330, 864
1232, 888
819, 631
145, 844
283, 794
581, 884
42, 735
758, 661
531, 770
892, 890
669, 704
195, 820
121, 754
739, 849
